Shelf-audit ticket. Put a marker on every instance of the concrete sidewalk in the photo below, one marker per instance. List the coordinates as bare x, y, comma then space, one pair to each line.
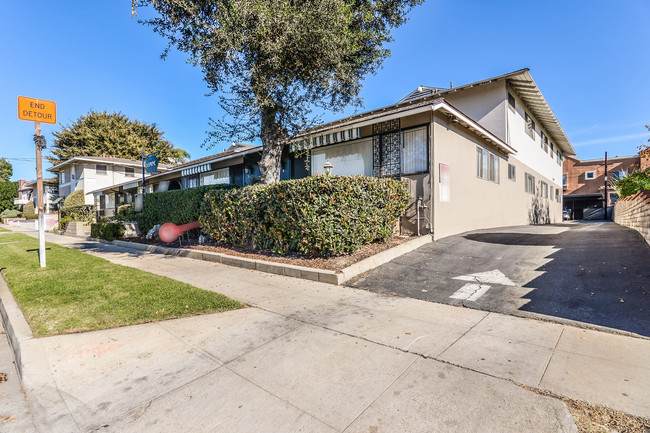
315, 357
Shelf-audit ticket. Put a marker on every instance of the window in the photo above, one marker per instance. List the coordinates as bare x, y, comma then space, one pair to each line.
590, 175
487, 165
544, 189
129, 171
559, 157
613, 197
415, 150
347, 158
530, 183
512, 173
216, 177
616, 175
557, 195
100, 169
564, 180
62, 176
544, 142
530, 126
511, 101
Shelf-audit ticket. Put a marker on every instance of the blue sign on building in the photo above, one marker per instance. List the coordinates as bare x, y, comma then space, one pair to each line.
151, 163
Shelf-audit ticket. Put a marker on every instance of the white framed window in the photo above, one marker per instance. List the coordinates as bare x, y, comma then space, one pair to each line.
62, 176
530, 126
530, 184
487, 165
101, 169
415, 150
620, 174
512, 172
558, 198
559, 157
129, 171
217, 177
590, 175
544, 189
544, 142
350, 158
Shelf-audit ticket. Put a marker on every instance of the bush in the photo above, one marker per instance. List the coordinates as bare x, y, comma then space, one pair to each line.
125, 212
10, 213
632, 183
179, 206
321, 215
29, 211
107, 231
85, 213
75, 199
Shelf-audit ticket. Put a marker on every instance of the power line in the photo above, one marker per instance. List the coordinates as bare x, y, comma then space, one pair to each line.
20, 159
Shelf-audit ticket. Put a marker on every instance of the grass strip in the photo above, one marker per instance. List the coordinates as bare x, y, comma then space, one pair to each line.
78, 292
2, 229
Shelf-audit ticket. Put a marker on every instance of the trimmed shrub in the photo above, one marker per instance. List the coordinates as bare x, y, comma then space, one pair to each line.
632, 183
107, 231
10, 213
75, 199
85, 213
320, 215
179, 206
125, 212
29, 211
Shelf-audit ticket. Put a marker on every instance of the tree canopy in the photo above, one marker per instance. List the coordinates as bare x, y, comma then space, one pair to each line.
6, 169
273, 61
8, 192
112, 134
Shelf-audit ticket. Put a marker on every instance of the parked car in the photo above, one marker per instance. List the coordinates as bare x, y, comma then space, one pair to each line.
566, 214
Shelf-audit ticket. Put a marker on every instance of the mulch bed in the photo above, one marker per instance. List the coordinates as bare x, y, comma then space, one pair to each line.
328, 263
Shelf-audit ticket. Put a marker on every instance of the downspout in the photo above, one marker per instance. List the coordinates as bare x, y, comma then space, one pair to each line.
432, 166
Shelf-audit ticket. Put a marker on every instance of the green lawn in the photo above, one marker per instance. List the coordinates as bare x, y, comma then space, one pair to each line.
79, 292
2, 229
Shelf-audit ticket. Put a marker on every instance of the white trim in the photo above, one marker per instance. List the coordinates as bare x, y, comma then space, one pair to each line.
592, 173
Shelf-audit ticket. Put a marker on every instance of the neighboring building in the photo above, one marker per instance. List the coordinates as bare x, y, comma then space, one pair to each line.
27, 192
482, 155
87, 173
584, 183
237, 165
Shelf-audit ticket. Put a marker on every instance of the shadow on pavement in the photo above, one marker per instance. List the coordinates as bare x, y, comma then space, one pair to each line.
599, 275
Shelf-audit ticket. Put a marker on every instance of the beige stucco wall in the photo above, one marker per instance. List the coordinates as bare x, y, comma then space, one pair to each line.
477, 203
484, 104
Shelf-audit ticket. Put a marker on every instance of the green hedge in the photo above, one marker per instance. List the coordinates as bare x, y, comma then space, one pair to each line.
320, 215
29, 210
180, 206
11, 213
107, 231
75, 199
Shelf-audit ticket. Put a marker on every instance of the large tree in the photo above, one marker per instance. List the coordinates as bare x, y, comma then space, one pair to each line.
273, 61
112, 134
6, 170
8, 192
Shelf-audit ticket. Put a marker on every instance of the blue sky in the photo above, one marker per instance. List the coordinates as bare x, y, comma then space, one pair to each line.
589, 58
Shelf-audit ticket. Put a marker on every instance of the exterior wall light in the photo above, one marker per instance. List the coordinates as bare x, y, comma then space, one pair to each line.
328, 167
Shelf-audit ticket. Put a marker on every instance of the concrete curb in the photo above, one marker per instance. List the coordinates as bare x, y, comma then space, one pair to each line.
34, 369
321, 275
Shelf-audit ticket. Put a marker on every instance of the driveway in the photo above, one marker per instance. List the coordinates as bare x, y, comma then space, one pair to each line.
597, 273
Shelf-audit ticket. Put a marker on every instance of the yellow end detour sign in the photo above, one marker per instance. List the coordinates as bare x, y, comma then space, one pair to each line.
36, 110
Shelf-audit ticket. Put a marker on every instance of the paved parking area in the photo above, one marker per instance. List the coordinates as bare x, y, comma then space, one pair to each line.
597, 273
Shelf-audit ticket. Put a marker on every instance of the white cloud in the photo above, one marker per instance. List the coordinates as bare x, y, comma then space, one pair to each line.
610, 139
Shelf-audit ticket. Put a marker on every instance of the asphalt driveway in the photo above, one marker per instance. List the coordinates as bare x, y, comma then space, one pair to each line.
597, 273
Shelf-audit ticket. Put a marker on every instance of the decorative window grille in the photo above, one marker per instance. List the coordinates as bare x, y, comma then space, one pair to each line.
386, 149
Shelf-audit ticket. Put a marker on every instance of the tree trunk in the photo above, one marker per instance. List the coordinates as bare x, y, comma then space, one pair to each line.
272, 144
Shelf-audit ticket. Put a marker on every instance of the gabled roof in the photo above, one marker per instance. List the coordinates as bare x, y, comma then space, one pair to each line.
107, 160
520, 81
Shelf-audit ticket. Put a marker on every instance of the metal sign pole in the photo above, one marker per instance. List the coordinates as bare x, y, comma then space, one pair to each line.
39, 194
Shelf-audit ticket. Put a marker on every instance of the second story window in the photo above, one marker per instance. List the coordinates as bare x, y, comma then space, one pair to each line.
564, 180
129, 171
62, 177
530, 126
100, 169
589, 175
511, 101
544, 142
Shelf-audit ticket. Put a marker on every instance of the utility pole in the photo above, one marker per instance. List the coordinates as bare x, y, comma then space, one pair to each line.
605, 191
39, 140
37, 111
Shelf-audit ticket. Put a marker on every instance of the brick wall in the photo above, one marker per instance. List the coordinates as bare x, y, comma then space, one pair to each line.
634, 212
